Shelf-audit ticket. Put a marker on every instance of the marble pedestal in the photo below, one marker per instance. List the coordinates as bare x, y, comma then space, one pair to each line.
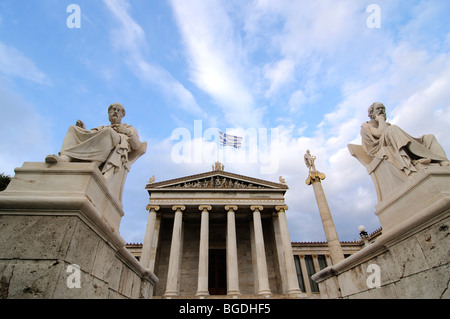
60, 237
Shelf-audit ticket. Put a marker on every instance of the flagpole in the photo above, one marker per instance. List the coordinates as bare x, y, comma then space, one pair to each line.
217, 150
218, 146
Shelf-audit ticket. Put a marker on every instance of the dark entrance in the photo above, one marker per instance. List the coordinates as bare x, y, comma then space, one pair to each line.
217, 271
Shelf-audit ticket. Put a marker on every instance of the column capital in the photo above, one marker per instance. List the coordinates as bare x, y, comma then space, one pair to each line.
255, 208
205, 207
178, 207
314, 176
281, 208
152, 208
231, 207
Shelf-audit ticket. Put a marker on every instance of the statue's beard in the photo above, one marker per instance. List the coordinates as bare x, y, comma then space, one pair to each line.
373, 116
114, 119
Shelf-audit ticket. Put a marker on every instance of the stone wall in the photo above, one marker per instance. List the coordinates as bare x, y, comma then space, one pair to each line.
59, 237
36, 252
416, 267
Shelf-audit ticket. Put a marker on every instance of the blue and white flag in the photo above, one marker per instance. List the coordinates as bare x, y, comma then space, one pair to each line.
229, 140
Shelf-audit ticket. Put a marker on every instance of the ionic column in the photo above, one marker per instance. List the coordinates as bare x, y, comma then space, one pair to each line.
202, 283
173, 271
263, 278
334, 244
232, 258
151, 238
292, 281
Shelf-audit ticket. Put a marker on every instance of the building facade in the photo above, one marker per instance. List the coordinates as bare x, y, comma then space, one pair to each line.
309, 258
226, 235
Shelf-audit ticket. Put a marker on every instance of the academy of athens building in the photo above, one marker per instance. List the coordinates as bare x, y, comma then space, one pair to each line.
223, 235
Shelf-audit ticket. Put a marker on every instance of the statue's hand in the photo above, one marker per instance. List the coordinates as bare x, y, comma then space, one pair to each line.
381, 119
121, 129
80, 123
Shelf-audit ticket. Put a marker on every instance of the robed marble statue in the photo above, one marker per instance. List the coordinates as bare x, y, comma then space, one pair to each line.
406, 153
113, 148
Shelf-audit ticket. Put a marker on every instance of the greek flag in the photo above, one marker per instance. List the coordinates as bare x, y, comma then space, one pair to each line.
229, 140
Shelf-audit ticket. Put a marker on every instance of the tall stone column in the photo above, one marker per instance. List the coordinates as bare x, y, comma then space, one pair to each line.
334, 244
292, 281
202, 283
232, 258
151, 238
173, 272
261, 264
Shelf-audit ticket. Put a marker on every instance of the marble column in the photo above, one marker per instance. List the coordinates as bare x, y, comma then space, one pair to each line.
260, 252
202, 282
334, 244
232, 258
316, 263
291, 273
173, 272
305, 275
151, 238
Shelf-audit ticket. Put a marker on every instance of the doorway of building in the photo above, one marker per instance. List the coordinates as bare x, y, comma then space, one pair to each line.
217, 271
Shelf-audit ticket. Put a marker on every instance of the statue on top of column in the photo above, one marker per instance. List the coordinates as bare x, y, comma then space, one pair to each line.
113, 148
309, 161
314, 174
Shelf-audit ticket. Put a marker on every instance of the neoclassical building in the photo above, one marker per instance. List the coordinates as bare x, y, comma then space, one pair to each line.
226, 235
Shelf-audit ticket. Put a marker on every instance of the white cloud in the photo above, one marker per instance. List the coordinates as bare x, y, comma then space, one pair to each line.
130, 39
14, 64
216, 59
279, 74
296, 101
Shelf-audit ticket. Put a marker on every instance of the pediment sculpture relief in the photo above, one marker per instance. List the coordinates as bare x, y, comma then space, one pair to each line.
218, 182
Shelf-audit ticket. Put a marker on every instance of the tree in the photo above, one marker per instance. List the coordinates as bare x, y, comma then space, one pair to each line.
4, 181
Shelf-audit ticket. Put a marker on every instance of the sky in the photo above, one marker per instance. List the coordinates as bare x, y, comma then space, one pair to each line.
287, 75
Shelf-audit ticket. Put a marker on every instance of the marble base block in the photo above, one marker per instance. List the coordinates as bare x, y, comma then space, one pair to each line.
60, 237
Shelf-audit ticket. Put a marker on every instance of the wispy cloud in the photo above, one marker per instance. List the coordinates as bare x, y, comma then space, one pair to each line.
27, 135
130, 39
14, 63
216, 59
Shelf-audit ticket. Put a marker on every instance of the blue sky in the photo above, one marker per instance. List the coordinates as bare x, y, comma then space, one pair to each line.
307, 70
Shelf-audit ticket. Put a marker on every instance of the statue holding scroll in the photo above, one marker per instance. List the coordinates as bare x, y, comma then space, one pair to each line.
113, 148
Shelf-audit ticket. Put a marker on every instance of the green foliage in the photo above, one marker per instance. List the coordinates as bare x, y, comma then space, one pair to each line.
4, 181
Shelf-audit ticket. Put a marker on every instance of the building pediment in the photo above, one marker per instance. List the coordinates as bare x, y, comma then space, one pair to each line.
217, 179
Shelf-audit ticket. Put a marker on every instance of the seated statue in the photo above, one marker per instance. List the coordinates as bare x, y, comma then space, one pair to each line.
113, 148
389, 142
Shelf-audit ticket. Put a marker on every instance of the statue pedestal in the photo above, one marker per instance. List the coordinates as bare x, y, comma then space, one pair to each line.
63, 185
423, 195
410, 259
60, 237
